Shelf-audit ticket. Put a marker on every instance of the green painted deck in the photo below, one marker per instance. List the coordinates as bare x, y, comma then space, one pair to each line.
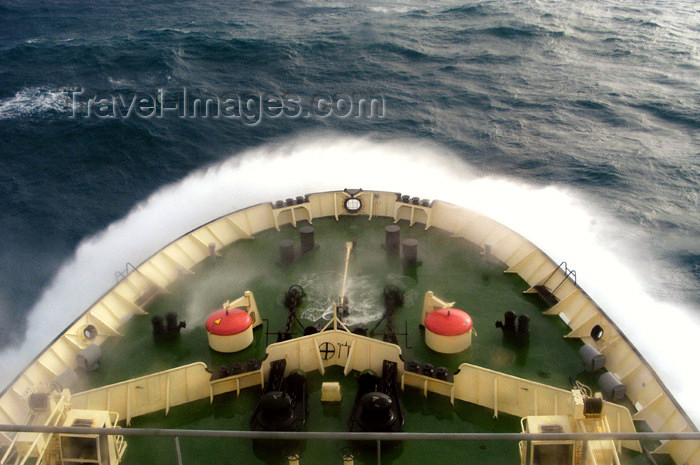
451, 267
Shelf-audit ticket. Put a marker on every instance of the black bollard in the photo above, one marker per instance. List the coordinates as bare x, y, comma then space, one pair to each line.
523, 324
410, 251
509, 321
307, 239
287, 252
392, 243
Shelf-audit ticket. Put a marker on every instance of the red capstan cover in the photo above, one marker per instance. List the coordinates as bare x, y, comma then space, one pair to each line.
448, 322
228, 322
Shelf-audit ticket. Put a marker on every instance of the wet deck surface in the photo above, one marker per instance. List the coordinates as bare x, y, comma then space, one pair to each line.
451, 267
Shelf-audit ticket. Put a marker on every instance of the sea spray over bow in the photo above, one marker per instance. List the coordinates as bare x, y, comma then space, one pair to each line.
558, 221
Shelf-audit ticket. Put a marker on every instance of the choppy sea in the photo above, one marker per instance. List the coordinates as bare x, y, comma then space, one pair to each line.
124, 124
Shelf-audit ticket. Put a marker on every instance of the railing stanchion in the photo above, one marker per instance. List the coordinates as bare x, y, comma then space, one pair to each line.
177, 450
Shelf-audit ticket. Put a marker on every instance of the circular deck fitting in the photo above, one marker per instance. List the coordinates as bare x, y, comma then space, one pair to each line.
352, 205
229, 330
448, 330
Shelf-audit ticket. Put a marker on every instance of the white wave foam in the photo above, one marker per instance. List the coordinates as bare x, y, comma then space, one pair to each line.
391, 10
609, 259
33, 101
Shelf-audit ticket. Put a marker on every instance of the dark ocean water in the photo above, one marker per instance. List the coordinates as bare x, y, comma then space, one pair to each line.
600, 99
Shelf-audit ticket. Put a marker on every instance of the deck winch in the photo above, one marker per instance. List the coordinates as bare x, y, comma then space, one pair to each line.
283, 404
377, 406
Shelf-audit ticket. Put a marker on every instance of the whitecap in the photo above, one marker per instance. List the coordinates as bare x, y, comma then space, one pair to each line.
32, 101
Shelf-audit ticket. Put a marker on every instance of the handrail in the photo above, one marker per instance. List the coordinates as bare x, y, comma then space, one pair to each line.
161, 432
121, 274
567, 273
